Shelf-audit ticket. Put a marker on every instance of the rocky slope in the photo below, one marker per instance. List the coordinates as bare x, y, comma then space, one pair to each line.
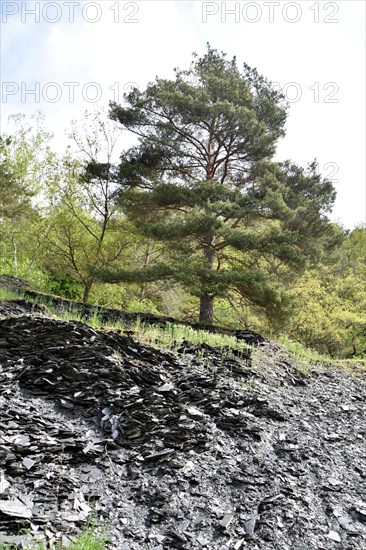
201, 449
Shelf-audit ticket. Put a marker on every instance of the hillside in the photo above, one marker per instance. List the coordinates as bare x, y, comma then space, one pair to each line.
202, 448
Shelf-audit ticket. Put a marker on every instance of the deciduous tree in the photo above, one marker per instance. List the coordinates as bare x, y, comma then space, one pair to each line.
87, 228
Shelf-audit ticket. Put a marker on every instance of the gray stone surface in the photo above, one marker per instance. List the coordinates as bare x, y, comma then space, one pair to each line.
176, 451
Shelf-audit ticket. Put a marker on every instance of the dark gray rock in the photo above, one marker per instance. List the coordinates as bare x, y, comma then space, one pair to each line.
174, 452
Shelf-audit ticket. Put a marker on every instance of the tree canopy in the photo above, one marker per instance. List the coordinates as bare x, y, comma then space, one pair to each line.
201, 180
275, 267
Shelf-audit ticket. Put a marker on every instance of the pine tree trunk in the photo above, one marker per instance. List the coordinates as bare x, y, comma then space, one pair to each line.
207, 299
206, 309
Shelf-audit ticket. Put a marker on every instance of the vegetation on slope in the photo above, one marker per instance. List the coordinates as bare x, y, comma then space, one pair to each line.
238, 232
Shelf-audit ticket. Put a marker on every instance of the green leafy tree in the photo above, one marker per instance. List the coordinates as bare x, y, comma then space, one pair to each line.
201, 181
78, 238
26, 166
86, 225
329, 302
14, 196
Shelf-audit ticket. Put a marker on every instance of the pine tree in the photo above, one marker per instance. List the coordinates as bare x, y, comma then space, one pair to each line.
201, 180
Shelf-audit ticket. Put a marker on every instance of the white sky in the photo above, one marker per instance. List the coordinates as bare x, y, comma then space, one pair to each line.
314, 50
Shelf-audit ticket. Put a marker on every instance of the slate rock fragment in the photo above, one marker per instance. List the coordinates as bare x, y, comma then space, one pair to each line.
207, 438
15, 508
333, 535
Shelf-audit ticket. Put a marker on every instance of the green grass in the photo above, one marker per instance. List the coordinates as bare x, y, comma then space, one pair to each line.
304, 357
88, 539
301, 351
8, 295
171, 336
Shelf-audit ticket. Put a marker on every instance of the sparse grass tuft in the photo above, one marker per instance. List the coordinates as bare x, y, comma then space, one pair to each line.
301, 351
171, 337
304, 357
8, 295
89, 539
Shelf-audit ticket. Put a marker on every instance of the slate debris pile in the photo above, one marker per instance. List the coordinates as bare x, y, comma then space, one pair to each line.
106, 315
202, 449
41, 488
8, 282
20, 307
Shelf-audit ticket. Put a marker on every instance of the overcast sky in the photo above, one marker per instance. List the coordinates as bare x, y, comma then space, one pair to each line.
63, 57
